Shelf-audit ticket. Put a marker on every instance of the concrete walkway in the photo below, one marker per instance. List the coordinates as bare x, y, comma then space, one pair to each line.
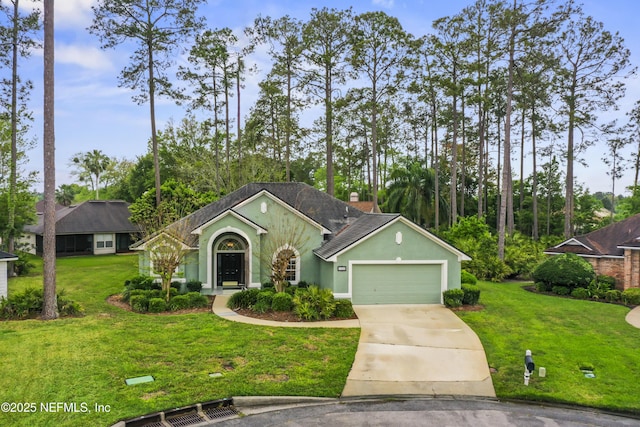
417, 350
404, 350
633, 317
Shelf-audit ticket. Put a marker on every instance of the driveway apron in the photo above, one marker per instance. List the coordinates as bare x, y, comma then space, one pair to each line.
417, 350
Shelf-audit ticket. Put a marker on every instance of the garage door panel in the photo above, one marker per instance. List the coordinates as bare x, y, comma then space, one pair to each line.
396, 284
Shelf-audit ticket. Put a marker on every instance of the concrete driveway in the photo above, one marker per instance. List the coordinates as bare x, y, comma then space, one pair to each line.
417, 350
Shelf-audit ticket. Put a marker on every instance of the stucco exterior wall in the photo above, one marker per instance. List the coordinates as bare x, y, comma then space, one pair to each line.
383, 246
277, 220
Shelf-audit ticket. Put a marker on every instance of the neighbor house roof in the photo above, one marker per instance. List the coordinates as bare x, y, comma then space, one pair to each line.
92, 216
6, 256
607, 241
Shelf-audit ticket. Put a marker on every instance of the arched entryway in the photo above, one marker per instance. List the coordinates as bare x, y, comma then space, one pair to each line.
230, 261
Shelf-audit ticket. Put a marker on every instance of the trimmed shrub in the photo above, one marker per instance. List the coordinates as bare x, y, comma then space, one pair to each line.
282, 301
471, 294
142, 282
157, 305
243, 299
291, 290
580, 293
542, 287
23, 265
67, 307
598, 288
177, 286
196, 300
453, 297
303, 284
561, 290
566, 270
30, 301
608, 280
613, 295
466, 277
344, 309
268, 285
194, 286
631, 296
139, 303
179, 302
263, 302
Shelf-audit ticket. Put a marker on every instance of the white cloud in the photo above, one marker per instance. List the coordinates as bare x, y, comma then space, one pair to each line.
67, 13
89, 57
388, 4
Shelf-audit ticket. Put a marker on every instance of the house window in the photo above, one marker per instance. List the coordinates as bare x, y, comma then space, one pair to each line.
291, 273
104, 241
230, 244
292, 270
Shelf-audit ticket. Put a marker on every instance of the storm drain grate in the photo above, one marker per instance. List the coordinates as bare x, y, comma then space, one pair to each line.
221, 412
185, 420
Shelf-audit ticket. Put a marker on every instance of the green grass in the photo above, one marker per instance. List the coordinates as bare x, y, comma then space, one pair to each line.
86, 360
562, 334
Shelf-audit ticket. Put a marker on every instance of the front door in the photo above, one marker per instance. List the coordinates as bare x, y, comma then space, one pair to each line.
230, 268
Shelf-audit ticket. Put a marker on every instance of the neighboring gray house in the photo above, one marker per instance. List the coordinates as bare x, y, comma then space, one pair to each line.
5, 258
92, 227
366, 257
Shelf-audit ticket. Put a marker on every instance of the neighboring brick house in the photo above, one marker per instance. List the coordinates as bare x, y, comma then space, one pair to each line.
613, 250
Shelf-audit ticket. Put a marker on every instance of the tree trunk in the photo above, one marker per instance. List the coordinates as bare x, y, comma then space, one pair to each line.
11, 205
50, 306
568, 202
374, 146
152, 113
328, 113
463, 166
506, 167
238, 81
453, 188
227, 125
534, 185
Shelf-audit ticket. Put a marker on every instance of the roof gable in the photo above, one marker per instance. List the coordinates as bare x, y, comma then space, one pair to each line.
369, 225
606, 241
237, 215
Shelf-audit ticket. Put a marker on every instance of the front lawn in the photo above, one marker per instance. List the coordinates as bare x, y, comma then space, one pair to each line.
86, 360
562, 334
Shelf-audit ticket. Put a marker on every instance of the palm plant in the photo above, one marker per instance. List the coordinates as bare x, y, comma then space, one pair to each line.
411, 191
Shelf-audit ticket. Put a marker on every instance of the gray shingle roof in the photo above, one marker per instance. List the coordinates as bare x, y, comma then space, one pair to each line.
92, 216
322, 208
606, 240
7, 256
352, 233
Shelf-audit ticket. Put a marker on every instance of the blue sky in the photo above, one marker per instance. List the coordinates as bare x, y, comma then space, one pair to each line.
92, 112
